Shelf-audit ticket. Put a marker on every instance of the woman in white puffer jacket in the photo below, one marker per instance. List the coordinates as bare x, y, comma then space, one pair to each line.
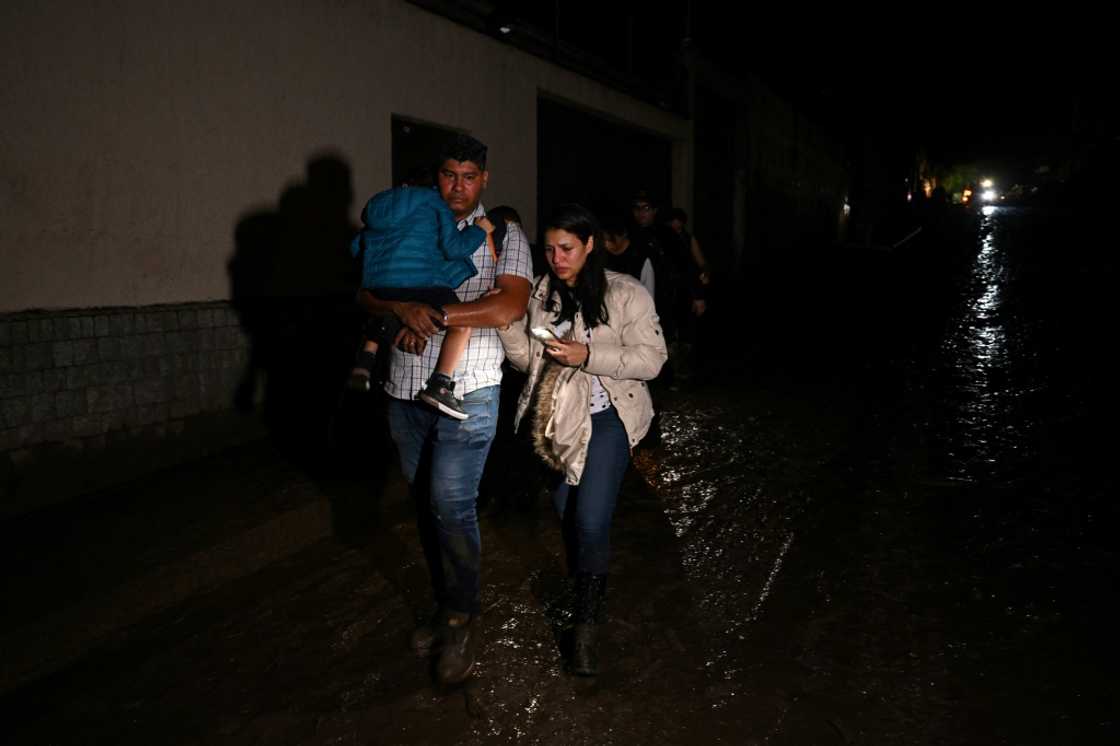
589, 342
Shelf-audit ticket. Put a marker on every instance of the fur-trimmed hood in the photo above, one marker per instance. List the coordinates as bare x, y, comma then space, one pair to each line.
542, 413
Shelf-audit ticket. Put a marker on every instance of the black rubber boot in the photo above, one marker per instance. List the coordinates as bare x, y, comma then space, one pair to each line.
428, 635
590, 613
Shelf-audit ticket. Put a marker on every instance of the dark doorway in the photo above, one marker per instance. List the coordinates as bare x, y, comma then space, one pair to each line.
586, 158
416, 146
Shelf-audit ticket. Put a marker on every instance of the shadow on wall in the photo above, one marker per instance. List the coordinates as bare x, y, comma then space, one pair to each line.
292, 283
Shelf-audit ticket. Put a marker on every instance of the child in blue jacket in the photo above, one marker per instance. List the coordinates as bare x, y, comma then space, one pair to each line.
412, 250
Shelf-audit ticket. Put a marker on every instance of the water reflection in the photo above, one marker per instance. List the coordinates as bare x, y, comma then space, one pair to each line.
734, 525
983, 359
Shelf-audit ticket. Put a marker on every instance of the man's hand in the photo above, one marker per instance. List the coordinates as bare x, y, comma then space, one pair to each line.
567, 352
407, 341
420, 318
698, 308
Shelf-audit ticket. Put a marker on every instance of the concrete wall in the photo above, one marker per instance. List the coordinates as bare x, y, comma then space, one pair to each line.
91, 397
134, 134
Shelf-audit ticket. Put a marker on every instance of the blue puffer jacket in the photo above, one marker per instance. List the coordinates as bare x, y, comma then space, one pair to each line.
411, 240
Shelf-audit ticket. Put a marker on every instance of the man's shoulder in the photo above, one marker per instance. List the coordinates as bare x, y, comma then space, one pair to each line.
516, 257
664, 235
638, 250
514, 230
646, 239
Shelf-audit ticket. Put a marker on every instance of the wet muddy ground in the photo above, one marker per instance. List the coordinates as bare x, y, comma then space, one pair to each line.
886, 518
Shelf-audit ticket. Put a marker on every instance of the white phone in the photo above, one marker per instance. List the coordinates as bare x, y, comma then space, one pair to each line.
543, 334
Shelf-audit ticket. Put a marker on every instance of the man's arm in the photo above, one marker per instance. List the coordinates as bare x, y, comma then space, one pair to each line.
493, 310
699, 260
420, 318
502, 306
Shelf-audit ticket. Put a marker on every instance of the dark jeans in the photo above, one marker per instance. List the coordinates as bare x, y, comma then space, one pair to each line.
442, 459
586, 509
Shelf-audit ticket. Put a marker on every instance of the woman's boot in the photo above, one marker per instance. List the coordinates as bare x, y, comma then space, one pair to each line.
590, 613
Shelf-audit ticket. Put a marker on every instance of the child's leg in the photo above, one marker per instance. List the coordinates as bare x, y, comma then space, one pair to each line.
454, 344
439, 391
362, 371
490, 245
366, 356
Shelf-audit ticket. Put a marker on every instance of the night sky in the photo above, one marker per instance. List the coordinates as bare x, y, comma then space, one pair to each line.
968, 84
1010, 91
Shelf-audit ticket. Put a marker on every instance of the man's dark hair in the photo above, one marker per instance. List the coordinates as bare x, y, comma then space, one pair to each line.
503, 212
615, 225
678, 214
463, 148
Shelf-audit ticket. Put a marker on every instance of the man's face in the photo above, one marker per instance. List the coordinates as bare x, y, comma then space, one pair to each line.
461, 184
615, 244
676, 225
644, 213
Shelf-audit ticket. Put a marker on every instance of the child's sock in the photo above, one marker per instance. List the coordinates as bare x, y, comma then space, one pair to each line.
439, 379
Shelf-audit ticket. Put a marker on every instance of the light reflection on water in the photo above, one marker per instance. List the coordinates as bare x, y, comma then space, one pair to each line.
734, 531
983, 356
735, 524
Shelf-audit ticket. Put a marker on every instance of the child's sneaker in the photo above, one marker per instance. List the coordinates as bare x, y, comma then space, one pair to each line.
440, 395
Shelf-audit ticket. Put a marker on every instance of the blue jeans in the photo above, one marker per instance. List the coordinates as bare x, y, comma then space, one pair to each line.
442, 459
586, 509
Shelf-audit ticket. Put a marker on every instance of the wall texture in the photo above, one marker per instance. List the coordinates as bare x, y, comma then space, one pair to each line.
177, 183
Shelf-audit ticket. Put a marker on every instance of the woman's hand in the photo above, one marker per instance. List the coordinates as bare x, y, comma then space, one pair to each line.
568, 353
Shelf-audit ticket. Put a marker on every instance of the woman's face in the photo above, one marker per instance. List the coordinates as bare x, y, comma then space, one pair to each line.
566, 254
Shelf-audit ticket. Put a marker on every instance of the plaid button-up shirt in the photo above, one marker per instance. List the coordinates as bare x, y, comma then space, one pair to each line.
481, 364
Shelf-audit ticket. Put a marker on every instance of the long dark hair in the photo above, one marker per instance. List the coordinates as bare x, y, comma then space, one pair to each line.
590, 291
